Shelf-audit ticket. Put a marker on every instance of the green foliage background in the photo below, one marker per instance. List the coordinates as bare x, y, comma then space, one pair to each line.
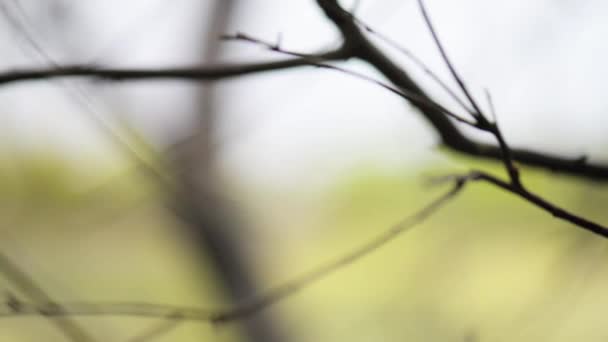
487, 267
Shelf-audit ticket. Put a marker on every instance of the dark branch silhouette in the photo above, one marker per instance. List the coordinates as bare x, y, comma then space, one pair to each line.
362, 48
514, 185
315, 61
481, 122
35, 292
540, 202
355, 45
213, 73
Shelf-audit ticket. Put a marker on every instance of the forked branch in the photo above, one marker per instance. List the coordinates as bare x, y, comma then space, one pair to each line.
355, 45
482, 121
451, 136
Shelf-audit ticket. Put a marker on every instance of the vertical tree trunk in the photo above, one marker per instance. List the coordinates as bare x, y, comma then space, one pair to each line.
214, 226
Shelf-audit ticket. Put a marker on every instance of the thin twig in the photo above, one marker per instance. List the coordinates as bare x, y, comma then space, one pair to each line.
482, 121
491, 105
358, 46
477, 110
540, 202
22, 281
417, 61
290, 288
320, 63
507, 158
241, 311
14, 273
451, 136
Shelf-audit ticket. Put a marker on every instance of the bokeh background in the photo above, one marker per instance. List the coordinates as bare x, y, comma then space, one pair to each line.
311, 163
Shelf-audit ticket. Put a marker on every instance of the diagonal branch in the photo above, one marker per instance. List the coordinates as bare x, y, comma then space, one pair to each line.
356, 45
368, 52
483, 123
15, 307
418, 62
449, 133
314, 61
22, 281
537, 200
477, 110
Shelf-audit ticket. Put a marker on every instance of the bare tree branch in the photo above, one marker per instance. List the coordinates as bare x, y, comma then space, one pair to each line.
418, 62
483, 123
244, 310
139, 74
22, 281
347, 25
537, 200
449, 133
356, 45
290, 288
314, 61
461, 84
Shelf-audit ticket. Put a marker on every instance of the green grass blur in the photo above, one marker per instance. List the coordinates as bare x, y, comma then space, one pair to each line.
487, 267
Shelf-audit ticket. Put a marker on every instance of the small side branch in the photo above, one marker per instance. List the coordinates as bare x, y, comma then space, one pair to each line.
482, 121
320, 63
535, 199
477, 110
541, 202
451, 136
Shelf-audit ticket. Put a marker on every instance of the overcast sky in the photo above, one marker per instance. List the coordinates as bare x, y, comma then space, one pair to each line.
543, 61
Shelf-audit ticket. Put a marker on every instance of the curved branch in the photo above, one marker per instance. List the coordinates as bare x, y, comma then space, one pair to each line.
449, 133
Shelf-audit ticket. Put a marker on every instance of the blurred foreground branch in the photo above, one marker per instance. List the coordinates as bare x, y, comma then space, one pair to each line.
34, 292
201, 206
15, 307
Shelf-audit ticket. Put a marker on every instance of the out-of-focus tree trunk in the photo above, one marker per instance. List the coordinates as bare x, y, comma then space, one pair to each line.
213, 225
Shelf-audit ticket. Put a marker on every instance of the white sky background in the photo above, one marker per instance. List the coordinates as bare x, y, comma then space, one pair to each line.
543, 61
